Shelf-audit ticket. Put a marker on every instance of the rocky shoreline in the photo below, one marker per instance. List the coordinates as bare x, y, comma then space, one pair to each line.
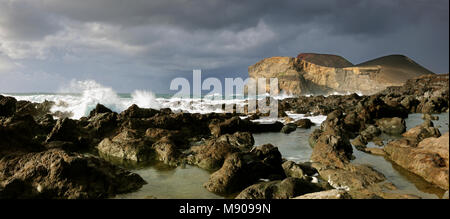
41, 157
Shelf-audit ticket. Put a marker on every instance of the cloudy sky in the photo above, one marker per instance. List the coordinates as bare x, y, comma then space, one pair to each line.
144, 44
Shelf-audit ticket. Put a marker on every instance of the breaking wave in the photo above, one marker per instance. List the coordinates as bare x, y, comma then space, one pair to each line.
78, 98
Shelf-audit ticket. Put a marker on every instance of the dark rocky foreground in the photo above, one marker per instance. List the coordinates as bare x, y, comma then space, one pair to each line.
45, 158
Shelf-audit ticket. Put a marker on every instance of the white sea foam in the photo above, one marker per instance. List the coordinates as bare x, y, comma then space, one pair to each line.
80, 97
317, 120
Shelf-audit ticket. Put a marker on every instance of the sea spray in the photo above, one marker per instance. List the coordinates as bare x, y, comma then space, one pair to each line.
87, 94
78, 98
144, 99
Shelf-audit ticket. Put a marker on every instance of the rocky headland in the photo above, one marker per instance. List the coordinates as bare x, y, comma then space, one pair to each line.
311, 73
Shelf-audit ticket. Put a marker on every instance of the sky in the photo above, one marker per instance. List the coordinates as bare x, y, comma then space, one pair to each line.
139, 44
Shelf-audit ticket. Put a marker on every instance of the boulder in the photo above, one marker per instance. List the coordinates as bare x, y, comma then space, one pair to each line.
166, 151
55, 174
99, 109
359, 142
370, 133
242, 140
102, 124
392, 126
127, 145
332, 150
135, 112
65, 130
238, 171
304, 123
20, 134
270, 156
7, 106
352, 177
288, 128
210, 156
243, 169
422, 131
279, 189
291, 169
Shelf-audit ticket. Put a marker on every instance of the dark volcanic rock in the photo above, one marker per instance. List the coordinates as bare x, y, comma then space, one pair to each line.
127, 145
135, 112
166, 151
7, 106
393, 126
304, 123
288, 128
20, 134
99, 108
57, 174
212, 155
37, 110
65, 130
422, 131
287, 188
245, 168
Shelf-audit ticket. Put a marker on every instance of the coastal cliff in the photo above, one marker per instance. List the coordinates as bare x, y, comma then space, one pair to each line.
311, 73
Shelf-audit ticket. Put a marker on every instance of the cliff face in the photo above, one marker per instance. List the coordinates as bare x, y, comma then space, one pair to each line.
321, 74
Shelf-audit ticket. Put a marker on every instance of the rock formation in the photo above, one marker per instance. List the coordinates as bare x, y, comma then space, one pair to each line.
321, 74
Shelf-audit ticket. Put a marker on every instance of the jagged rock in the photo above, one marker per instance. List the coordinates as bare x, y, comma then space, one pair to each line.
270, 156
135, 112
36, 110
65, 130
57, 174
370, 133
102, 123
422, 131
332, 150
291, 169
46, 122
127, 145
304, 123
322, 73
313, 137
351, 177
236, 124
359, 142
7, 106
166, 151
288, 128
429, 159
393, 126
212, 155
245, 168
20, 134
242, 140
280, 189
99, 109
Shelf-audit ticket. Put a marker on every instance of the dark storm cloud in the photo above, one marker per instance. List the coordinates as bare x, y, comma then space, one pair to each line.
148, 41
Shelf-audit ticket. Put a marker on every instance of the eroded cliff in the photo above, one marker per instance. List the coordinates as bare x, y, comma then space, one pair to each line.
311, 73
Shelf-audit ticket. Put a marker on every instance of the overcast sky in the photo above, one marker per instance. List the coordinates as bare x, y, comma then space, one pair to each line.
144, 44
